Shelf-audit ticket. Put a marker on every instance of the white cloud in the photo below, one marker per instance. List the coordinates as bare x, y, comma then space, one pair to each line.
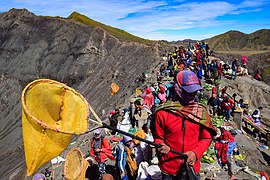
242, 11
252, 3
183, 17
248, 6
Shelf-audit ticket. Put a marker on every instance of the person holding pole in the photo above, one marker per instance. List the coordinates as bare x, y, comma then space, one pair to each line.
184, 126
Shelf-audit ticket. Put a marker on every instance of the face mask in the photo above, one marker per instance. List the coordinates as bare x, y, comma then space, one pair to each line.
97, 136
182, 96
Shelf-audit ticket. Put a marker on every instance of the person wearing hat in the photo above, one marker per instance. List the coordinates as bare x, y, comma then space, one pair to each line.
162, 94
184, 126
125, 161
39, 177
100, 150
148, 98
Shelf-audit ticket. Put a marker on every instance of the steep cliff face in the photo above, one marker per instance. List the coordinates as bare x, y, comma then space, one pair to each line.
85, 57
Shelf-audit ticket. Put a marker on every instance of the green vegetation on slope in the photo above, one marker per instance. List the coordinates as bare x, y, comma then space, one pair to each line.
235, 40
118, 33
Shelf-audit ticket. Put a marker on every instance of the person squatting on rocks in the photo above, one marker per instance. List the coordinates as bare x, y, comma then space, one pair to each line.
258, 76
221, 146
125, 161
184, 126
100, 150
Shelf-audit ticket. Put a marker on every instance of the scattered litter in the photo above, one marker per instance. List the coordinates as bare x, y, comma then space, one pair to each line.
154, 160
72, 143
247, 170
146, 172
57, 161
240, 157
264, 147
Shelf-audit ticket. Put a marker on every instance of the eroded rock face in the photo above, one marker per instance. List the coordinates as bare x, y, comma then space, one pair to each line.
257, 93
255, 62
84, 57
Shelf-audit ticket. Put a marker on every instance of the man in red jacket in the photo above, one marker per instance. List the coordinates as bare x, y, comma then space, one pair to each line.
227, 105
183, 126
221, 146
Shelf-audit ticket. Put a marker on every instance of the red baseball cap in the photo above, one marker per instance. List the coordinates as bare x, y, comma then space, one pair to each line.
188, 81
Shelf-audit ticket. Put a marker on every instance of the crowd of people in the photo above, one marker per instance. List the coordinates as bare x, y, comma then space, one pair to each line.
167, 112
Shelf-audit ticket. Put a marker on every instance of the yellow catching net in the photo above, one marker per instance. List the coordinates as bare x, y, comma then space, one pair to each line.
75, 165
51, 113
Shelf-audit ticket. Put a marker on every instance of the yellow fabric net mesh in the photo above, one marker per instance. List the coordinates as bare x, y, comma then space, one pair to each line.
51, 113
75, 165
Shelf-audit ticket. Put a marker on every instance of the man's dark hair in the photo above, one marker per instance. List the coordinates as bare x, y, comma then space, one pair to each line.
137, 102
144, 127
117, 111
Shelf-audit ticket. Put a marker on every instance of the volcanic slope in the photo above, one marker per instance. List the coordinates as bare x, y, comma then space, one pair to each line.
85, 57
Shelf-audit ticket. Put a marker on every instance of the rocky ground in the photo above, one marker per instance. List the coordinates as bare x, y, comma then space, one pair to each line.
256, 92
255, 61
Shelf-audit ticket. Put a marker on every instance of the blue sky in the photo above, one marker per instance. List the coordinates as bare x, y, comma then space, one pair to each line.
160, 19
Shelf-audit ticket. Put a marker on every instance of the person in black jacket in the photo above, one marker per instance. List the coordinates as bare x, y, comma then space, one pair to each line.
214, 103
234, 68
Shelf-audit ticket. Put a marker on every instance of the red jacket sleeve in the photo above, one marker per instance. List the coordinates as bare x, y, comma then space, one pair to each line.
223, 106
107, 149
92, 153
203, 144
231, 102
158, 128
230, 137
217, 145
105, 144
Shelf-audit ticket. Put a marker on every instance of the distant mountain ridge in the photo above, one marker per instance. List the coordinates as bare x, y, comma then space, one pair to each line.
229, 41
116, 32
236, 40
